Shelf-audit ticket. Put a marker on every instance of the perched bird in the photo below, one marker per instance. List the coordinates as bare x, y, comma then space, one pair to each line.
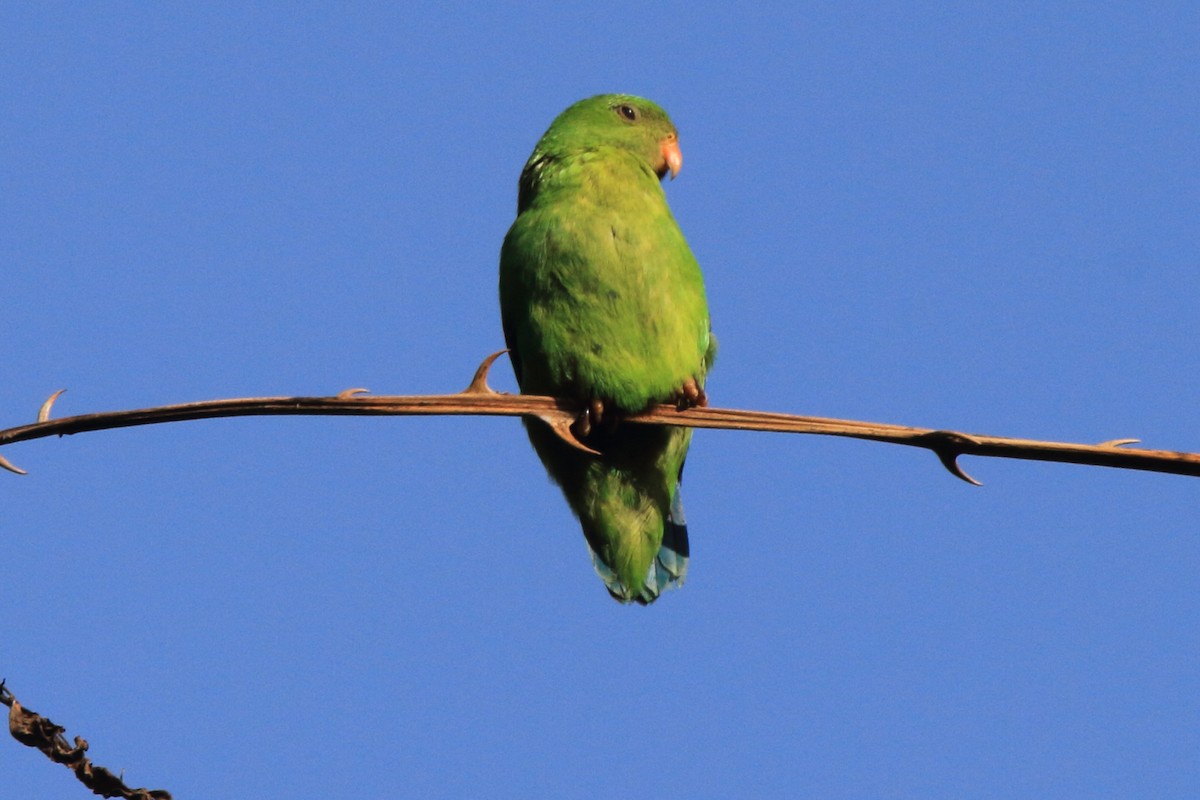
602, 302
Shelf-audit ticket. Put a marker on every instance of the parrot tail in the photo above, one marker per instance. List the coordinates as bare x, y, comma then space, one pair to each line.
668, 569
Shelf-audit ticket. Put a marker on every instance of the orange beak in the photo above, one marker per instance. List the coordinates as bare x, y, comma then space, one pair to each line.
671, 155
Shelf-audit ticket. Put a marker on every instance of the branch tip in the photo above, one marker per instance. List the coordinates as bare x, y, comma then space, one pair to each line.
44, 411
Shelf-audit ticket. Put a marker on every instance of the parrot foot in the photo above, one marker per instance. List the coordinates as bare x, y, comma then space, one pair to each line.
690, 395
591, 418
597, 417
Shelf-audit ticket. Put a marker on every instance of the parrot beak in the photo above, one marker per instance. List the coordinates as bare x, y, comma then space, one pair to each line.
671, 156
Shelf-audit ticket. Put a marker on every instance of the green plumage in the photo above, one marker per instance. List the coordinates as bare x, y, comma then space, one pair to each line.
601, 299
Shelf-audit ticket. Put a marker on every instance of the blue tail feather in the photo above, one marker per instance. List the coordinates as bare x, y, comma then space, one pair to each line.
669, 568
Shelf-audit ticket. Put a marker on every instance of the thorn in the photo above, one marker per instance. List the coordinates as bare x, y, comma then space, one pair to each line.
561, 425
479, 384
950, 461
348, 394
948, 446
8, 465
1118, 442
44, 411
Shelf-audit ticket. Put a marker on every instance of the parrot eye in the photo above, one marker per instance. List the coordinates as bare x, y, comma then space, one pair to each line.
628, 112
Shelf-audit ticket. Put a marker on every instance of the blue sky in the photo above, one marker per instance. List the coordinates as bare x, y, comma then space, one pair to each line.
981, 218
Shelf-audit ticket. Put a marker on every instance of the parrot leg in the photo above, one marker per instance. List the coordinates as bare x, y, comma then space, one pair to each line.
690, 395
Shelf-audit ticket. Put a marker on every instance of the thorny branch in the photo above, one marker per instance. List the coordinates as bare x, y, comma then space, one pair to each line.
34, 730
479, 398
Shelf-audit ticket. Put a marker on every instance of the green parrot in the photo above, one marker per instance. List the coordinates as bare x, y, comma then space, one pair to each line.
602, 302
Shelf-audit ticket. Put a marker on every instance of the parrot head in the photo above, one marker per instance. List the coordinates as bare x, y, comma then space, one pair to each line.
616, 120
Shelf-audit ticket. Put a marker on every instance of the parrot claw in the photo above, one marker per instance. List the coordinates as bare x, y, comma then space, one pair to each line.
479, 384
349, 394
595, 418
690, 395
590, 418
1118, 442
563, 427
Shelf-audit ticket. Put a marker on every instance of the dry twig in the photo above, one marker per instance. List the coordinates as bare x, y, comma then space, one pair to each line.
479, 398
34, 730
